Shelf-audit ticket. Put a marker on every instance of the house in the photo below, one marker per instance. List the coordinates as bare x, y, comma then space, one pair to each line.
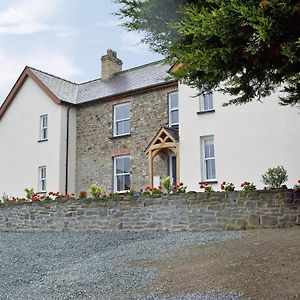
63, 136
124, 131
235, 143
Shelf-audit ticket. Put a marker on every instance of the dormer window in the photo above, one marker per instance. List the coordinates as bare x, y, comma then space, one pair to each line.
43, 127
173, 109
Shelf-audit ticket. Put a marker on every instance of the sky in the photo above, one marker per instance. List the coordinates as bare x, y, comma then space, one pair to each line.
64, 37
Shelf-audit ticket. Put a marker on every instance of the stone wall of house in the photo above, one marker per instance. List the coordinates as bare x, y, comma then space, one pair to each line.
191, 211
96, 146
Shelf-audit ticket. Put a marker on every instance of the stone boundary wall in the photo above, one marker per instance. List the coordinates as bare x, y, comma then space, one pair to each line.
191, 211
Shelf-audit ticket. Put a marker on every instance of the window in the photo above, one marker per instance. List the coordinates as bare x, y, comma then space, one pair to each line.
173, 109
42, 179
122, 173
209, 165
207, 102
44, 127
122, 119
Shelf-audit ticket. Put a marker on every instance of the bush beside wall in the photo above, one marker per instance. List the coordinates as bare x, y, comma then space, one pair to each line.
190, 211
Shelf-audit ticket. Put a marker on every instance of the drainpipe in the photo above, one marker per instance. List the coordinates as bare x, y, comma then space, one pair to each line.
67, 149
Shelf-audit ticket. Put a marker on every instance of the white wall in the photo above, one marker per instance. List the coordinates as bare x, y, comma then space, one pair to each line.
248, 139
20, 152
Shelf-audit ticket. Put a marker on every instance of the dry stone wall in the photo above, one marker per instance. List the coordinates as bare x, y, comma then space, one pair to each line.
191, 211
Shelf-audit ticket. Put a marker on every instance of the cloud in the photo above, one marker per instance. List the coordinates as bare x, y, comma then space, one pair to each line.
11, 66
132, 41
30, 16
110, 23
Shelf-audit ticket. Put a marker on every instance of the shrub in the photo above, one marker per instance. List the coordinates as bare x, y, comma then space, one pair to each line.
297, 185
275, 177
29, 192
166, 183
227, 187
248, 186
96, 190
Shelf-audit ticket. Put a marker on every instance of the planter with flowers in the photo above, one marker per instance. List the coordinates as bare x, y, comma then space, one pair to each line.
207, 188
248, 186
227, 186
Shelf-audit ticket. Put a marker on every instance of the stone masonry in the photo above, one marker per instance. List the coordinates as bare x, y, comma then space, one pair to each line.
96, 146
191, 211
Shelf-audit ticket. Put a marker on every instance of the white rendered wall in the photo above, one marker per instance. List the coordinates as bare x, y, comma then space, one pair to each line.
20, 152
249, 139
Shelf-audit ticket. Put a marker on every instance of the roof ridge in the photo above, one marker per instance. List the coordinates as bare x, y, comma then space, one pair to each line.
127, 70
69, 81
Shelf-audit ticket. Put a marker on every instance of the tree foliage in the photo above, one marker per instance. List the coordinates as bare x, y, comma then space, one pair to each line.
246, 48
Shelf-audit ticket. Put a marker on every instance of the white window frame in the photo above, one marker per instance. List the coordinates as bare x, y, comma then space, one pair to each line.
203, 99
205, 159
42, 179
121, 174
171, 109
121, 120
43, 129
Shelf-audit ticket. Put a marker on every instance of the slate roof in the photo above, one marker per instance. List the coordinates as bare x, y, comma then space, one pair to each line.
141, 77
173, 131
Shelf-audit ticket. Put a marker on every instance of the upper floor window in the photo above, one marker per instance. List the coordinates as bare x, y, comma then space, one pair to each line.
42, 179
173, 109
122, 173
122, 119
208, 158
44, 127
206, 102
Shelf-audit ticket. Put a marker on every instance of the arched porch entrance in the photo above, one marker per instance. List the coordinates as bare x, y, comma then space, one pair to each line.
166, 142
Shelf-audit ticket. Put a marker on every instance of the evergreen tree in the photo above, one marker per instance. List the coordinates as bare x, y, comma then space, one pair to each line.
247, 48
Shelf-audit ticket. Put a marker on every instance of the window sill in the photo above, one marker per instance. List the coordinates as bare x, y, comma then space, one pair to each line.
208, 182
120, 136
205, 111
40, 141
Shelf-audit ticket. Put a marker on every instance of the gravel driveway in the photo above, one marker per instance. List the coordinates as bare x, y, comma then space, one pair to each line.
91, 265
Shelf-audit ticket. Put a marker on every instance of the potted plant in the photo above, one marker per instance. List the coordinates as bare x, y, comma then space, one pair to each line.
296, 189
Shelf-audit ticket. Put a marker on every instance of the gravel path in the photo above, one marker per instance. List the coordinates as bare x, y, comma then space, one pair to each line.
53, 266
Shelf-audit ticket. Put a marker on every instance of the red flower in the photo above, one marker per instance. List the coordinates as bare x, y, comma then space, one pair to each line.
160, 187
222, 187
224, 182
299, 181
181, 183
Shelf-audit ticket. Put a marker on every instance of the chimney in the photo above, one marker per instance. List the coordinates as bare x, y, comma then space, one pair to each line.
110, 64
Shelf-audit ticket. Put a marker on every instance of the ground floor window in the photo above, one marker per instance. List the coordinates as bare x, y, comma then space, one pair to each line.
42, 179
208, 158
122, 173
